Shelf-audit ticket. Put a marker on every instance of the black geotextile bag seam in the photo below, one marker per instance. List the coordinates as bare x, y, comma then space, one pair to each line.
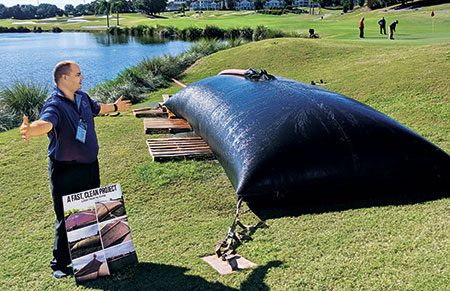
284, 138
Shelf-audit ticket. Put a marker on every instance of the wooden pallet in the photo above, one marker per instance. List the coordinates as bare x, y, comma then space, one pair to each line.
166, 148
164, 108
165, 125
160, 111
150, 112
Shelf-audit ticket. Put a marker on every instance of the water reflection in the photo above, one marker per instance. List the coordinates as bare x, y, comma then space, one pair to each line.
107, 39
32, 56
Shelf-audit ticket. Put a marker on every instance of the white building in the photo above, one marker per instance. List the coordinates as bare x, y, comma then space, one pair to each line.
245, 5
173, 5
301, 3
274, 4
308, 3
205, 5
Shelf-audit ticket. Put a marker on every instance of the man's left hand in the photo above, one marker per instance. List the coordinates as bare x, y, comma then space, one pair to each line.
123, 105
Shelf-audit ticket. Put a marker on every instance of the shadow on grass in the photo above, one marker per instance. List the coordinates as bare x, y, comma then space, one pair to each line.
150, 276
418, 4
157, 17
272, 208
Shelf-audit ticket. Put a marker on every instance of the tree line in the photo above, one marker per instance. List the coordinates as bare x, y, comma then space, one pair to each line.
30, 11
152, 7
95, 7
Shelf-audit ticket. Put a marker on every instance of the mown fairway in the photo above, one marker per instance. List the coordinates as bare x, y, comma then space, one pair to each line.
415, 26
179, 210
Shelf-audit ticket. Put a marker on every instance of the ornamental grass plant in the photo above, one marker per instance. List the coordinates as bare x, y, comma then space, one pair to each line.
210, 32
21, 98
155, 73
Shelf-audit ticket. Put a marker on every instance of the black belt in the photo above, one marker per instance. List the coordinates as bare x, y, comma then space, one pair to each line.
74, 162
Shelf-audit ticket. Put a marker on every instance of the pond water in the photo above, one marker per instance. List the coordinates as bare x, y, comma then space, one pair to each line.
32, 56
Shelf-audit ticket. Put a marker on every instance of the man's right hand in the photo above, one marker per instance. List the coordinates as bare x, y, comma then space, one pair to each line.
25, 129
37, 128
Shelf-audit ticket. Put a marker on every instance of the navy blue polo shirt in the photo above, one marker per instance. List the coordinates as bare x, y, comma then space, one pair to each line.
64, 114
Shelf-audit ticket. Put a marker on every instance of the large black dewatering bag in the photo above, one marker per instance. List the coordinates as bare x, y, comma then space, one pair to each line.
288, 139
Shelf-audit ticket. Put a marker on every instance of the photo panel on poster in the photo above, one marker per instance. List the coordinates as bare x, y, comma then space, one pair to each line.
96, 220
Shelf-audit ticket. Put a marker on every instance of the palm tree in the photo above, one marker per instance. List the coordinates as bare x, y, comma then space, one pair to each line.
182, 8
104, 7
117, 6
312, 5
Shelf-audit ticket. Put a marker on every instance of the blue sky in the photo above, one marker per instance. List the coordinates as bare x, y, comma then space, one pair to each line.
59, 3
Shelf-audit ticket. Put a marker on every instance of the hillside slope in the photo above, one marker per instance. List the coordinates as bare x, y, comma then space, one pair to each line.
179, 210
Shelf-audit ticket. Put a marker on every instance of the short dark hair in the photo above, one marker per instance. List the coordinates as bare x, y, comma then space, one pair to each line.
61, 68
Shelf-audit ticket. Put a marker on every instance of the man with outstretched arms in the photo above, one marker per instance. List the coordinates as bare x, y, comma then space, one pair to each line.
68, 119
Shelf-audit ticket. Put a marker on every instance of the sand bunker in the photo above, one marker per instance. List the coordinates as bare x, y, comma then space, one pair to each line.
400, 10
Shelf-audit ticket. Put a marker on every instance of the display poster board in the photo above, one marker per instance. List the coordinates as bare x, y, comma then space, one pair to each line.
98, 232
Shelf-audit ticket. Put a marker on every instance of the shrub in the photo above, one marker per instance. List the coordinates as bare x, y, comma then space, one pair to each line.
190, 33
8, 119
207, 47
347, 5
273, 11
181, 33
131, 83
56, 29
149, 30
154, 73
195, 33
151, 64
13, 29
298, 11
274, 33
167, 66
247, 33
19, 99
23, 29
129, 91
166, 31
374, 4
189, 58
115, 30
212, 31
138, 78
260, 33
234, 42
109, 92
102, 93
138, 30
232, 33
244, 33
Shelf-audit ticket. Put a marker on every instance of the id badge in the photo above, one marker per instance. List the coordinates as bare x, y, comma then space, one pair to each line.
81, 131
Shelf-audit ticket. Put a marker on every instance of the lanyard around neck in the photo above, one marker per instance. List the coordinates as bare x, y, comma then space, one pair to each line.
78, 98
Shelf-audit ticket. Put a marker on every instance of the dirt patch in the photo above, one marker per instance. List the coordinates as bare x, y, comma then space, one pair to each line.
324, 16
400, 10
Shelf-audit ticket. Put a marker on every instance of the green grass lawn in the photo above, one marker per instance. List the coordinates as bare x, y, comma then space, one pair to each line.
179, 210
415, 27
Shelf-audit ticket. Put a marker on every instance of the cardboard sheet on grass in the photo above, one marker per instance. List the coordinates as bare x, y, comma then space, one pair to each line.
224, 268
98, 233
